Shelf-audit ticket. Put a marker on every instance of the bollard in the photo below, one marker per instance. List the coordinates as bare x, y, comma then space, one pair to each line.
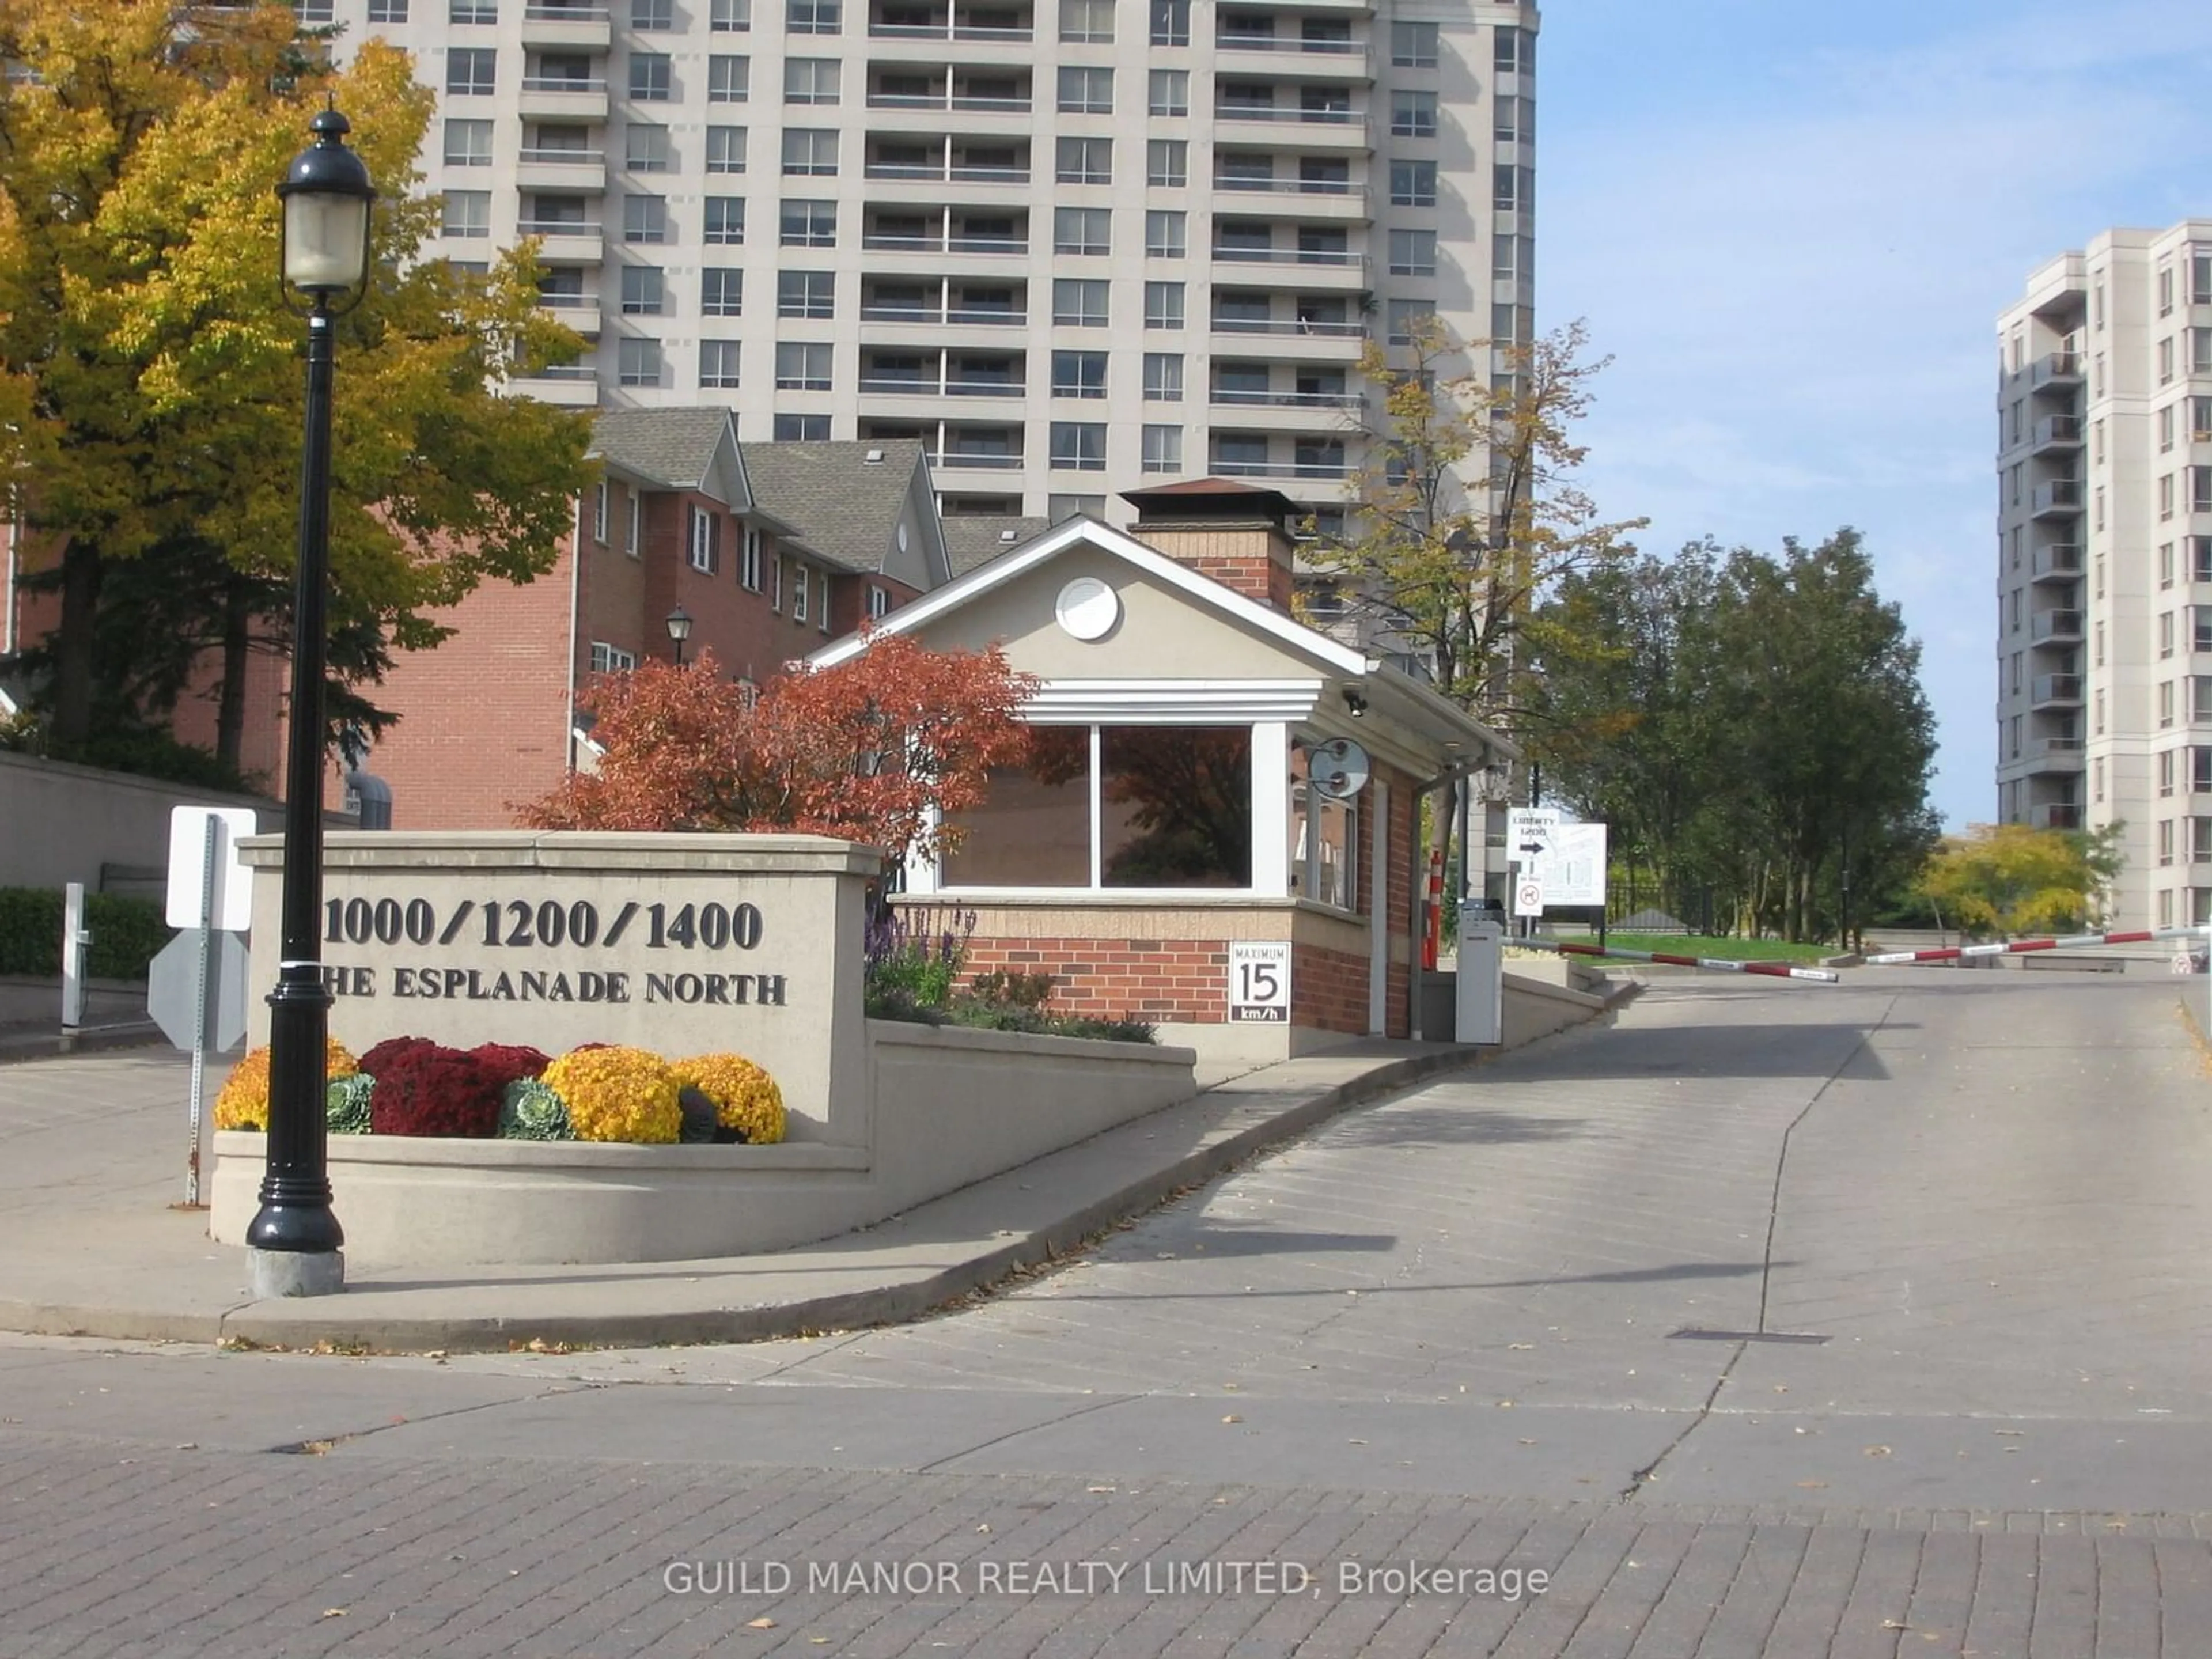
75, 943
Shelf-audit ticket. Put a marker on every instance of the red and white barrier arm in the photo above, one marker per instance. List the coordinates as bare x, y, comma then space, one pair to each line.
1716, 964
2016, 947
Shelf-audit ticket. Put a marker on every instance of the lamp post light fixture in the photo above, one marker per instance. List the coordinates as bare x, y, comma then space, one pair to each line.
293, 1243
679, 630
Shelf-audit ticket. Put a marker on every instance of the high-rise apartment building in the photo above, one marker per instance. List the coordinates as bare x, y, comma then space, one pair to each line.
1066, 243
2104, 588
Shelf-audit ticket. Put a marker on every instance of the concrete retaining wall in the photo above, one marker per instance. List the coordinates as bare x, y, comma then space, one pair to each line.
60, 822
946, 1109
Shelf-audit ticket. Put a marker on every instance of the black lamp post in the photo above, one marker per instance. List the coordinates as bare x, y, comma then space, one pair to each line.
294, 1239
679, 630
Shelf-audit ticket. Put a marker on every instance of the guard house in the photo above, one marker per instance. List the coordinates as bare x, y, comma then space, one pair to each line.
1217, 830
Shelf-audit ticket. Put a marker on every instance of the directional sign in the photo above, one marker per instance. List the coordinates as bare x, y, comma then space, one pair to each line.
173, 979
231, 904
1529, 833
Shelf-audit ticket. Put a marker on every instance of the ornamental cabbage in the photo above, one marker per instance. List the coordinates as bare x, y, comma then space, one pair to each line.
529, 1109
346, 1103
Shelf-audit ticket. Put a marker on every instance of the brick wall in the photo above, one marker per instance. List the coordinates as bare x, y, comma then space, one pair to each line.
1153, 979
1252, 557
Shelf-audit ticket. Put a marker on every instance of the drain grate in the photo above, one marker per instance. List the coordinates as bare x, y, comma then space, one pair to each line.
1799, 1337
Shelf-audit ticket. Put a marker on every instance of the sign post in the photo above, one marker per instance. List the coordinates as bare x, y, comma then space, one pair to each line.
207, 891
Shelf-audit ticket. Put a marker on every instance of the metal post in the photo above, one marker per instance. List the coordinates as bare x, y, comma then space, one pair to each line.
202, 1009
296, 1235
74, 939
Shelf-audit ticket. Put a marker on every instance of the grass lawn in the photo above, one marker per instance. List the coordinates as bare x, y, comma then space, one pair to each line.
1704, 945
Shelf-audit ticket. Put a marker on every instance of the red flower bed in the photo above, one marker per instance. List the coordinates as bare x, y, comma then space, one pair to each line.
511, 1061
423, 1088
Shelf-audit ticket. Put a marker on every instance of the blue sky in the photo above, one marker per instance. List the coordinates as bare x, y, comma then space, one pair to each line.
1793, 226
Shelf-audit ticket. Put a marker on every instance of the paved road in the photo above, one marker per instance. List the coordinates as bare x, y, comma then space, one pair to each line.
1775, 1320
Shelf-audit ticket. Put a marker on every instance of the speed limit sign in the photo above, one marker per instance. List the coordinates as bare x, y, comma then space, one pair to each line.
1528, 896
1259, 981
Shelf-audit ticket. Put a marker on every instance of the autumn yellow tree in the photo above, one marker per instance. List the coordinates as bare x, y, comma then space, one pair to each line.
152, 373
1464, 509
2008, 880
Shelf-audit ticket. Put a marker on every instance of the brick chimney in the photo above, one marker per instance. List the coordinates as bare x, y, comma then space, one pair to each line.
1237, 533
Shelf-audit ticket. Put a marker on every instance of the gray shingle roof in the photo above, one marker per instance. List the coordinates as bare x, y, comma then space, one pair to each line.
978, 539
845, 506
673, 448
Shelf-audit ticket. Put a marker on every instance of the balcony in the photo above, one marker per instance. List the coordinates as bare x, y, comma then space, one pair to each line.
2055, 691
2061, 562
1346, 116
2055, 628
587, 26
2054, 815
561, 169
2058, 371
1001, 24
1298, 327
2059, 499
1235, 40
572, 385
1234, 398
566, 241
2055, 435
563, 97
2054, 755
978, 461
580, 312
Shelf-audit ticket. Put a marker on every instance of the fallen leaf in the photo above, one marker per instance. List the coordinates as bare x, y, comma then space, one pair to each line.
1877, 1451
1233, 1418
1520, 1347
1812, 1484
334, 1612
760, 1624
985, 1527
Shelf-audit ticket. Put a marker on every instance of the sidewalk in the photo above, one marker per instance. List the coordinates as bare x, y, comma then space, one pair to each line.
31, 1014
93, 1241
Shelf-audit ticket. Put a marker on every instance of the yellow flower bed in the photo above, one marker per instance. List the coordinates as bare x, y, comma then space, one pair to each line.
746, 1098
618, 1094
243, 1102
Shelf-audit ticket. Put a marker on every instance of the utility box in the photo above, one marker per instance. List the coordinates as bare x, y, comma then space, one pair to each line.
1482, 1010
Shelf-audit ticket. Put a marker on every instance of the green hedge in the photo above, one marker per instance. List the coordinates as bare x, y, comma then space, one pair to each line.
126, 933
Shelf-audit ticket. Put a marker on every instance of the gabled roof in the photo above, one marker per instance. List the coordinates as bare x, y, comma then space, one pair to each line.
975, 538
845, 497
1421, 703
674, 448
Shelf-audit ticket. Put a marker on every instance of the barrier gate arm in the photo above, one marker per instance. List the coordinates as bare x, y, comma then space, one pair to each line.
1714, 964
2020, 947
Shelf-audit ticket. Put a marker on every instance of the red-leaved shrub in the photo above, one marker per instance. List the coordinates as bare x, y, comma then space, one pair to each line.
511, 1062
426, 1088
390, 1050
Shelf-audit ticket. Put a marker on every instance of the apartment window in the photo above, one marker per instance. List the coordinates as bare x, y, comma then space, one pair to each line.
1079, 446
1171, 22
1163, 449
1078, 302
1414, 45
1413, 183
749, 557
651, 76
2200, 558
480, 12
730, 16
2100, 638
1078, 374
1510, 257
2166, 841
2200, 771
1167, 163
1169, 92
2165, 634
1162, 377
1086, 91
1413, 253
2200, 696
387, 11
2200, 420
2200, 279
813, 16
1513, 51
810, 152
809, 80
805, 293
802, 365
1087, 21
723, 220
721, 291
644, 292
729, 78
809, 224
717, 364
1509, 121
1080, 230
2166, 702
2166, 360
775, 585
1163, 305
1165, 237
1086, 161
1505, 184
2200, 840
2200, 350
2166, 497
2097, 375
645, 147
1413, 114
2165, 564
468, 213
799, 584
468, 143
701, 538
637, 362
2016, 596
2165, 425
2099, 707
471, 71
611, 658
2166, 771
2200, 489
2200, 628
599, 513
1405, 316
726, 149
2166, 290
651, 15
879, 603
635, 544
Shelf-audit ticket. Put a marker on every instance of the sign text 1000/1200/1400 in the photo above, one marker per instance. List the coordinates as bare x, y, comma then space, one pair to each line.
517, 923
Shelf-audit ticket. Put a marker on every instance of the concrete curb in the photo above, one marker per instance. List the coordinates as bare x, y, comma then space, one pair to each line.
906, 1294
18, 1046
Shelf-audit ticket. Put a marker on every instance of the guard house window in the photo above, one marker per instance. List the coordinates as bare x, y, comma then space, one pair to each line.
729, 78
1413, 114
472, 72
650, 77
1414, 45
813, 16
703, 539
1413, 183
1171, 809
1324, 840
730, 16
718, 363
726, 149
721, 291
